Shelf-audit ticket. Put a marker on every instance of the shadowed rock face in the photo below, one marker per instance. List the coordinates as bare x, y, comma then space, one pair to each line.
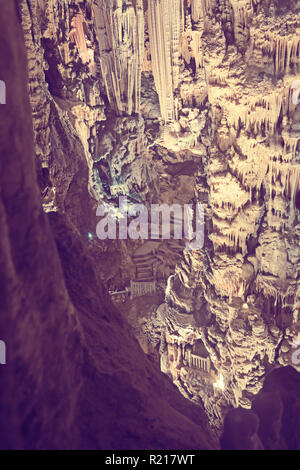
75, 377
273, 422
277, 406
240, 431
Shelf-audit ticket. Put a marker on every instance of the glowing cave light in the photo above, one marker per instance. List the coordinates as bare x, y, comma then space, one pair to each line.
220, 383
2, 92
168, 288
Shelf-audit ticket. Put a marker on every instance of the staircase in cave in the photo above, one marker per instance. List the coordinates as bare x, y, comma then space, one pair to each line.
146, 257
144, 270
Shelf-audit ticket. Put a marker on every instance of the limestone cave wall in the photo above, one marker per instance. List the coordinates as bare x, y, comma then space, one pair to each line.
161, 101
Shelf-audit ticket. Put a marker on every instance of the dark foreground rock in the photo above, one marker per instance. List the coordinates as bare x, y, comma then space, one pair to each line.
75, 376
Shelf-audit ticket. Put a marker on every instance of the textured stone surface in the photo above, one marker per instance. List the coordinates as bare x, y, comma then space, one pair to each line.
180, 102
75, 376
245, 281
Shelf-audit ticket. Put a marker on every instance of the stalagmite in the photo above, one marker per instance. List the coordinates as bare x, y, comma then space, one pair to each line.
120, 32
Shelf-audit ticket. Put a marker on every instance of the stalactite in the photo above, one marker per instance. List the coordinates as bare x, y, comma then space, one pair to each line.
284, 183
242, 13
197, 10
191, 48
165, 26
293, 182
249, 173
200, 8
270, 291
290, 147
77, 35
120, 33
285, 50
232, 286
263, 113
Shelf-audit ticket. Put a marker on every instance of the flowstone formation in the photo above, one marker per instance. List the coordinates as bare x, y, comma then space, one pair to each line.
172, 101
241, 291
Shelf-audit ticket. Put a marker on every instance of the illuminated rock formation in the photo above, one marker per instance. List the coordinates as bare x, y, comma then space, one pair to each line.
165, 27
77, 34
248, 271
75, 377
119, 26
218, 123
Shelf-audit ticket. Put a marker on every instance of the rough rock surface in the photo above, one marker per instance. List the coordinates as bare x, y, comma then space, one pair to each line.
273, 422
75, 376
247, 276
209, 114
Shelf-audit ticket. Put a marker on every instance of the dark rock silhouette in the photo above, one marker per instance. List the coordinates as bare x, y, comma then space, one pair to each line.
75, 376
